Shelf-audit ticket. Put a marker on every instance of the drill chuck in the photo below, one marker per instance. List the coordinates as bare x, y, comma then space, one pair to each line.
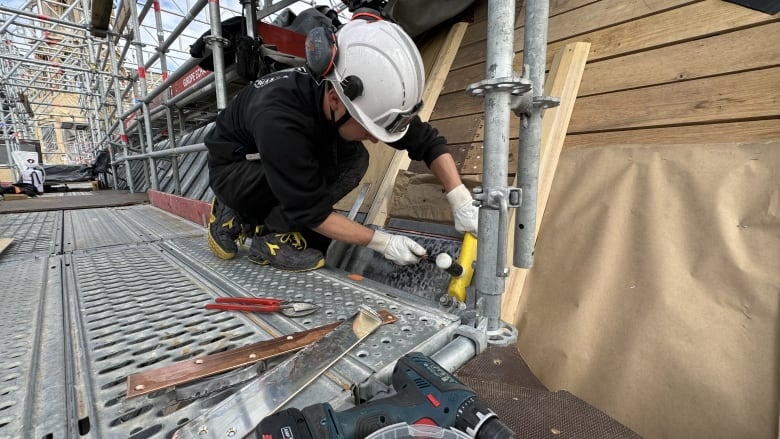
479, 422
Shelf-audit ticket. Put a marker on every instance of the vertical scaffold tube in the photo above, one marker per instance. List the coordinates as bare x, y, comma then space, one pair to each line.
217, 43
500, 52
166, 96
119, 111
534, 58
143, 90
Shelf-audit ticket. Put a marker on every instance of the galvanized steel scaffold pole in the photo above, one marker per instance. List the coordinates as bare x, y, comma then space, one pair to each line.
120, 119
494, 195
217, 42
166, 96
505, 91
178, 73
534, 62
142, 93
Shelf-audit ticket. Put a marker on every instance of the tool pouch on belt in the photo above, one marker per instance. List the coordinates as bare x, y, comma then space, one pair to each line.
248, 63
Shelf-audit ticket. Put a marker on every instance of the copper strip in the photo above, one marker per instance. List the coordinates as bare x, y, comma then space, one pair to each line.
185, 371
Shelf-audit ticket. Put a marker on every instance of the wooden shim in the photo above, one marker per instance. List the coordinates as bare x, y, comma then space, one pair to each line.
563, 82
4, 243
377, 214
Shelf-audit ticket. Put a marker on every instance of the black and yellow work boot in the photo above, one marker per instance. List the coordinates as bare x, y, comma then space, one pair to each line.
285, 251
224, 229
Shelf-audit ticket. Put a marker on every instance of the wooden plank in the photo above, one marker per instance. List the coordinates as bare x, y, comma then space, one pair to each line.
745, 49
460, 129
4, 243
642, 32
697, 20
748, 95
691, 22
574, 22
729, 132
377, 214
477, 32
567, 19
741, 96
563, 81
732, 132
14, 197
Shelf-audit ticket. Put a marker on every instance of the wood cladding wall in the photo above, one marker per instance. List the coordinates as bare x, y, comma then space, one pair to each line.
661, 72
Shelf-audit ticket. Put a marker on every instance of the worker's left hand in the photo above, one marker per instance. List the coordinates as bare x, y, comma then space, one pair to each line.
465, 212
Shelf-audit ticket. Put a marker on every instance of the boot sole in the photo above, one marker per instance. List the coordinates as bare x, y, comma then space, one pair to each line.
320, 264
219, 251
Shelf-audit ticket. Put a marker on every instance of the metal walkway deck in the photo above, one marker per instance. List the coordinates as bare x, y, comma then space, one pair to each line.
90, 296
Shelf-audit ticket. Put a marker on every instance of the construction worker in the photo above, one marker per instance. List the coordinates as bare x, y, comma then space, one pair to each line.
288, 147
33, 176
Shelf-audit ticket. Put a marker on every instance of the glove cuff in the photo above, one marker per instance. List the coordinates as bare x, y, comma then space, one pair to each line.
379, 241
459, 196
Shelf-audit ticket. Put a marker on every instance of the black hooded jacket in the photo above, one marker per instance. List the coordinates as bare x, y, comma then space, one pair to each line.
280, 117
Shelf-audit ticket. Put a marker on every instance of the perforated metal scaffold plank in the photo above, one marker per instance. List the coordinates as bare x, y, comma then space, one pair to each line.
127, 294
33, 233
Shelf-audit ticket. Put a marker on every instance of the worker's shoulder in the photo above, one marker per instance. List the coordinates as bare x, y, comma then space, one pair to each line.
287, 79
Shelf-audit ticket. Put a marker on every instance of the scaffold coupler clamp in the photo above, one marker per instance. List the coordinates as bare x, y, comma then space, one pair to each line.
522, 104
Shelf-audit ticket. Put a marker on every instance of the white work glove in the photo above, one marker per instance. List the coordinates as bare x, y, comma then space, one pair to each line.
465, 212
396, 248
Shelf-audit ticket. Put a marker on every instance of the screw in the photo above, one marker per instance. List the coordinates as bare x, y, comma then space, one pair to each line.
203, 430
139, 387
231, 432
198, 361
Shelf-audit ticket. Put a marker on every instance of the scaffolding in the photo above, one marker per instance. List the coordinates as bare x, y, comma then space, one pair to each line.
120, 86
74, 86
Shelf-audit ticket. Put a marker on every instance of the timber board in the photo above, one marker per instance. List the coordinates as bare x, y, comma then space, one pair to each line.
742, 96
733, 132
730, 132
637, 31
460, 129
574, 22
697, 20
737, 51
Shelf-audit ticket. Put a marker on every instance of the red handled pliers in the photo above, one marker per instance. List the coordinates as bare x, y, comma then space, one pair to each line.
257, 304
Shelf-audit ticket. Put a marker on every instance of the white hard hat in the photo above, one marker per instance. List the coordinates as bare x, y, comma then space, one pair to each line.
379, 75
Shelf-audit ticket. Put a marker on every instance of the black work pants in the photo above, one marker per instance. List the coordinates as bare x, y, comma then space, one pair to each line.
243, 187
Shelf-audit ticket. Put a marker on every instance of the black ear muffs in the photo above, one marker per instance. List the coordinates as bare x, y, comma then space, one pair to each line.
321, 50
352, 86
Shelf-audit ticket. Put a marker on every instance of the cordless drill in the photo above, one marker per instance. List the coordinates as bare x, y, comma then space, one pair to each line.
425, 394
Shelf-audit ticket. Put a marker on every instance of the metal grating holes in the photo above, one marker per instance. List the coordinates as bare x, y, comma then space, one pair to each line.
21, 296
140, 312
339, 299
33, 232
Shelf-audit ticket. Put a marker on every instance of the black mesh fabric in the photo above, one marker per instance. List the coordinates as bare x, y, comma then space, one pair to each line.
506, 384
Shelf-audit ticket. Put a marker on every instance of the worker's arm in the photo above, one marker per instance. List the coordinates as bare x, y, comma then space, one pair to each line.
341, 228
443, 167
396, 248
